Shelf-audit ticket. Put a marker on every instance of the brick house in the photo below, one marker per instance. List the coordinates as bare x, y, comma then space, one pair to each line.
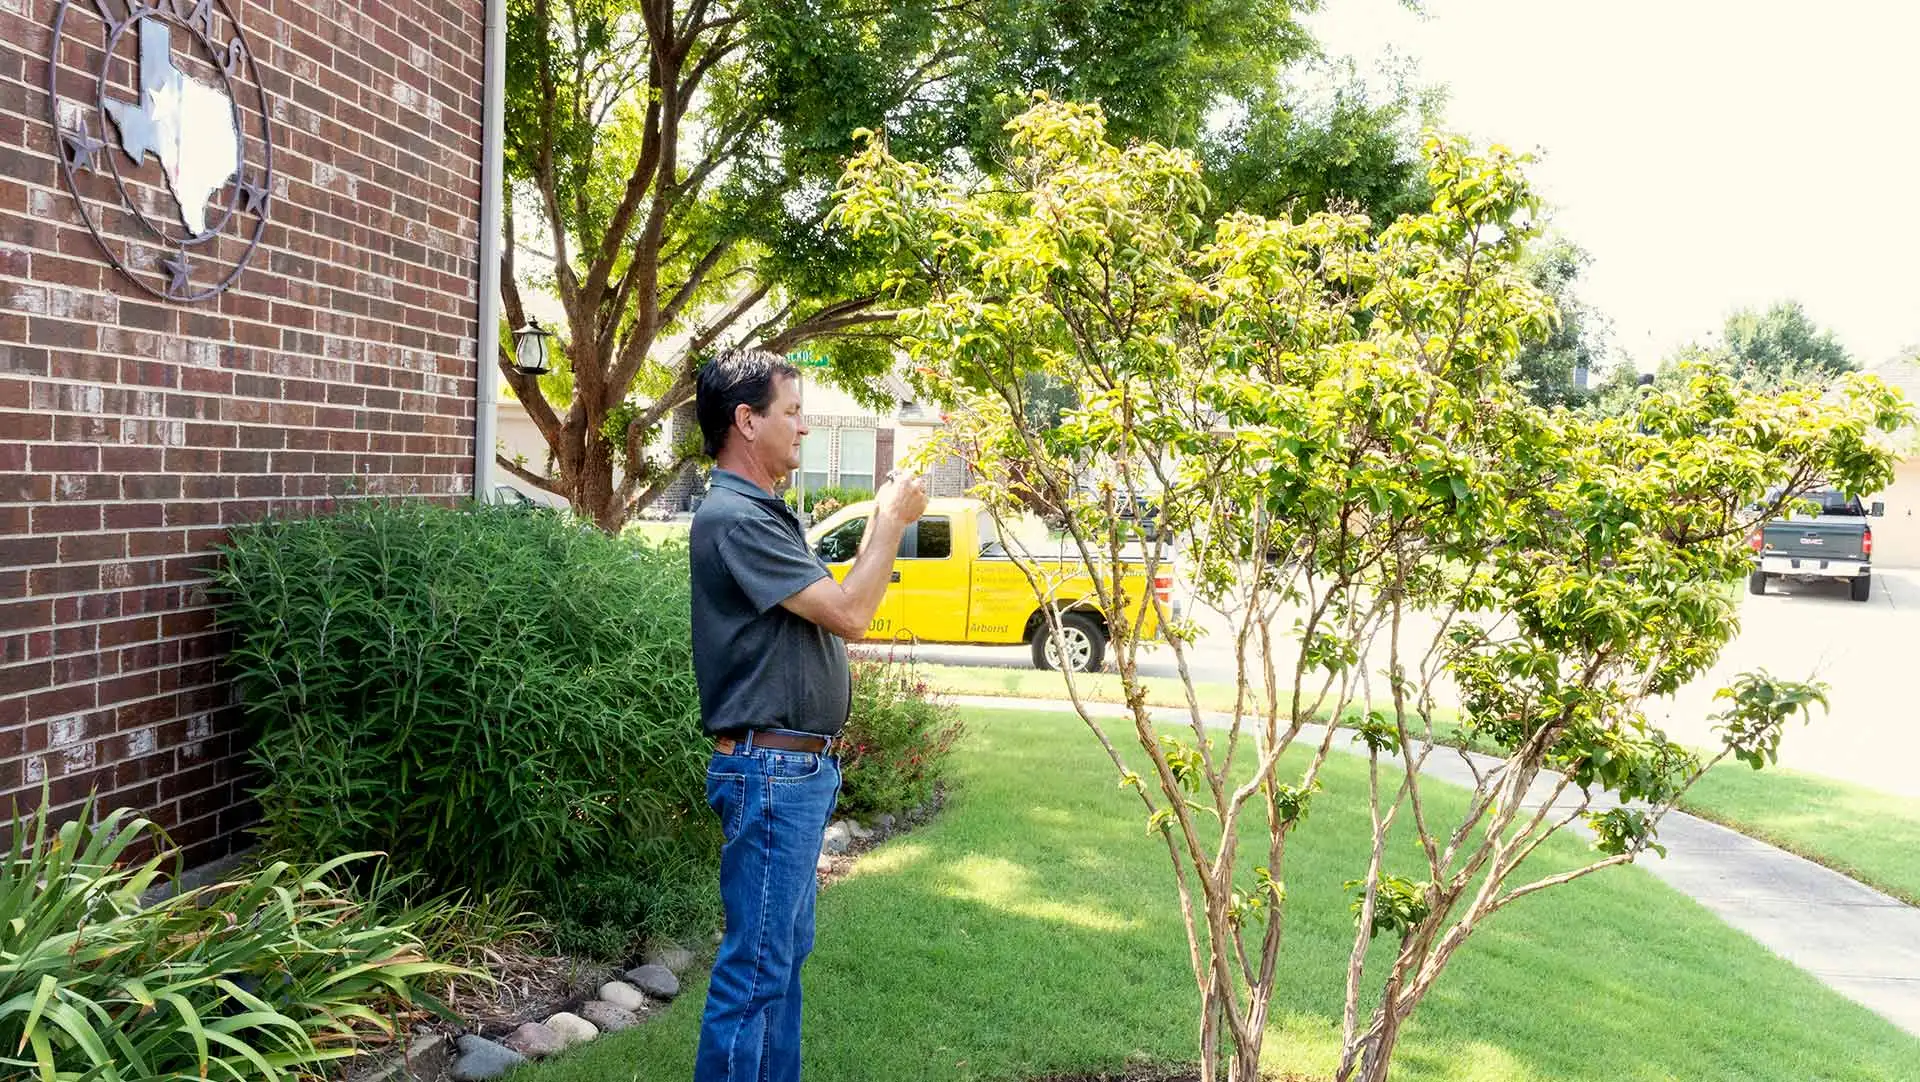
145, 410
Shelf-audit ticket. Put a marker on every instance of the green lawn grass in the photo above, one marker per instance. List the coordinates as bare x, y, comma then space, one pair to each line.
657, 532
1863, 833
1032, 928
1039, 684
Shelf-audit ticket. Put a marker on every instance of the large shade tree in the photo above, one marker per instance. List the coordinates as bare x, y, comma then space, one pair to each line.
670, 162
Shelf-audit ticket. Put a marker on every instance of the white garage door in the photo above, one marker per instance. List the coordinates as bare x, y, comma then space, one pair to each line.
1896, 538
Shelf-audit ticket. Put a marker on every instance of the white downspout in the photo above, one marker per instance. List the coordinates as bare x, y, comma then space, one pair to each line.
492, 152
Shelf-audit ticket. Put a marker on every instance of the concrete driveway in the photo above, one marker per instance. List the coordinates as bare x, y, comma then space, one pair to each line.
1869, 655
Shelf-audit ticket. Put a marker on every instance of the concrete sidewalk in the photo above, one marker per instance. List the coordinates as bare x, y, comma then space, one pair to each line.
1854, 939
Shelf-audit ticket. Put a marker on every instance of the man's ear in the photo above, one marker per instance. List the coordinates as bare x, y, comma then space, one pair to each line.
741, 412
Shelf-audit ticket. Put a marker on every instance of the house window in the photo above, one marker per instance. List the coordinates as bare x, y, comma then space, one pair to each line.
816, 452
856, 458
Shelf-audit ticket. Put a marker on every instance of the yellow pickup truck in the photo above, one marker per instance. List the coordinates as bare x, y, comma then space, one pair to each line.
954, 582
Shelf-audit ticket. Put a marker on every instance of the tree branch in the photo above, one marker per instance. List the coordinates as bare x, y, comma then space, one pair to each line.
695, 277
542, 483
848, 313
658, 131
666, 480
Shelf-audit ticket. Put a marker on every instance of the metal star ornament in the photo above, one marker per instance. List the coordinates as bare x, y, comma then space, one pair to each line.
179, 273
80, 148
253, 197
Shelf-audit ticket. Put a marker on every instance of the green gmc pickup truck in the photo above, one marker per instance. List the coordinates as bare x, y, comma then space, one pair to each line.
1835, 543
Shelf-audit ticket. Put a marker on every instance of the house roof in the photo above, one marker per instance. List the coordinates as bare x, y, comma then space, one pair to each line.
1903, 373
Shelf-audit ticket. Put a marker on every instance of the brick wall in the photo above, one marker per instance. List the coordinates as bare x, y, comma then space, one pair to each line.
135, 431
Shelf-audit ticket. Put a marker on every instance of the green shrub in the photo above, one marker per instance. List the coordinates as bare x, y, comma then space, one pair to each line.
895, 747
261, 977
500, 698
825, 501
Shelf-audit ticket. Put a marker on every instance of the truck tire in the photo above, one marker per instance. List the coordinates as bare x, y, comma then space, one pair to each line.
1757, 582
1086, 643
1861, 588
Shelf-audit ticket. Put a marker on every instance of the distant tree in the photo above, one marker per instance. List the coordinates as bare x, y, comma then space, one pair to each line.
1545, 369
1323, 140
1783, 343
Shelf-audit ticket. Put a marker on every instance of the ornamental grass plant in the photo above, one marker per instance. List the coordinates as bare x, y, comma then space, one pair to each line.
261, 977
500, 698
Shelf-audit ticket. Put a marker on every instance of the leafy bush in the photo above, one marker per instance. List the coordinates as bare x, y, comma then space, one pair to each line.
826, 500
895, 747
500, 698
261, 977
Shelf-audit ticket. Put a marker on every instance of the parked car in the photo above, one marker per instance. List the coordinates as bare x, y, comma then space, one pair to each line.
1835, 543
954, 581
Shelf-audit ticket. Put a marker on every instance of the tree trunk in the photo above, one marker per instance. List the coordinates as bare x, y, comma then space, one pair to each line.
1376, 1051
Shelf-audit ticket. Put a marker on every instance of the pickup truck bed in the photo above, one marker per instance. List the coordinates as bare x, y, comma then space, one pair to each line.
1836, 544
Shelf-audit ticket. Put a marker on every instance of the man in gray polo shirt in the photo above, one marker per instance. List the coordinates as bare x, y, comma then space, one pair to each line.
770, 656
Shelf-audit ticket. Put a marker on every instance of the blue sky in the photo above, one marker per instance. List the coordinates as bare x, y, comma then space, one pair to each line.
1710, 154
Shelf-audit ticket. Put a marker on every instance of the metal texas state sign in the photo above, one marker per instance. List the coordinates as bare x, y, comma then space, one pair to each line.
166, 138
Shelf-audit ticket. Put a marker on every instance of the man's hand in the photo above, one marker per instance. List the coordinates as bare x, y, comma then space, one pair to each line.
903, 498
846, 608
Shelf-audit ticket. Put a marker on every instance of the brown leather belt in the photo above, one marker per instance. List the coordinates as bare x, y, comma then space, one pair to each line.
777, 741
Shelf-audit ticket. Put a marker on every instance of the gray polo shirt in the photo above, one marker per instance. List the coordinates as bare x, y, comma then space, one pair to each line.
758, 665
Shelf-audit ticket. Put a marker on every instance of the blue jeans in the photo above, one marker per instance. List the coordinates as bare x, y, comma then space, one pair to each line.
773, 808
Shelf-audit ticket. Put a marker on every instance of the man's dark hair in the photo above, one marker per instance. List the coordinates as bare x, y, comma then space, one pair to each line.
734, 377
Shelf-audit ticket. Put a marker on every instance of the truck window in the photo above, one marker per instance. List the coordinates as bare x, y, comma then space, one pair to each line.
843, 543
1833, 503
928, 539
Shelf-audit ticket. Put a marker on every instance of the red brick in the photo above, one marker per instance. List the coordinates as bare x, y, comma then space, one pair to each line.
69, 640
64, 458
25, 551
27, 427
131, 460
156, 543
79, 548
65, 700
134, 516
66, 519
63, 579
135, 686
26, 487
62, 334
20, 679
129, 631
159, 486
68, 670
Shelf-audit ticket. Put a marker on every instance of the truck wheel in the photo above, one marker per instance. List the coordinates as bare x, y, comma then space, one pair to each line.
1086, 644
1861, 587
1757, 582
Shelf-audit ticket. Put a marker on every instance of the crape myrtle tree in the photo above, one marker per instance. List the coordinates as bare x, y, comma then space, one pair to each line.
669, 163
1320, 411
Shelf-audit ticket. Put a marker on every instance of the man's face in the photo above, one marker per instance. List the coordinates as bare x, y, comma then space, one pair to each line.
777, 433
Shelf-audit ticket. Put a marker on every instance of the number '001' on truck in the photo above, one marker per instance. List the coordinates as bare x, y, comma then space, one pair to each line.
954, 581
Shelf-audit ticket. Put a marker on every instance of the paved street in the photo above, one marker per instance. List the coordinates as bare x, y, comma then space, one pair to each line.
1867, 653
